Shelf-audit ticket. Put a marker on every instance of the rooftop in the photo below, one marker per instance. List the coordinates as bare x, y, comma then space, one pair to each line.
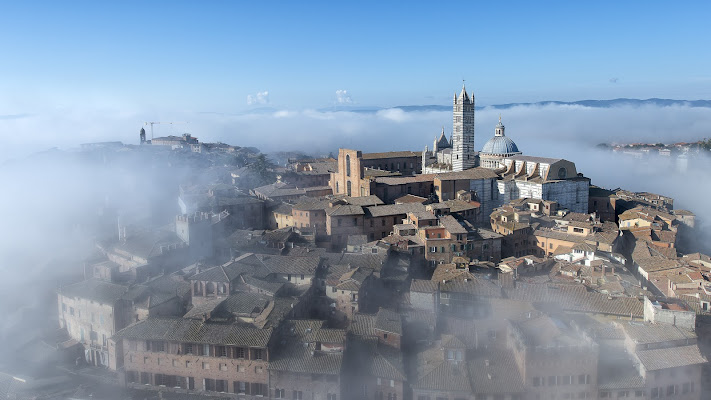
195, 331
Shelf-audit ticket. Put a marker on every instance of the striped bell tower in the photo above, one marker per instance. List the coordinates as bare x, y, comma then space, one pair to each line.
463, 155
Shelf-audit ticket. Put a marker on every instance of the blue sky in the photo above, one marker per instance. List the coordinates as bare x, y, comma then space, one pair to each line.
210, 56
269, 74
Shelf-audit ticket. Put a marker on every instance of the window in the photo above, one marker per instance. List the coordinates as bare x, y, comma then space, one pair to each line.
622, 393
348, 165
205, 365
279, 393
671, 390
257, 354
355, 221
209, 384
240, 387
392, 383
536, 381
239, 352
552, 380
297, 395
258, 370
223, 367
639, 393
338, 221
685, 388
188, 348
259, 389
380, 381
220, 351
604, 395
331, 396
205, 350
655, 393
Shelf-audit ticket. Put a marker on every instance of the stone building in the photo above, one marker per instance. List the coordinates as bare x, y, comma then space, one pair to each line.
497, 148
191, 355
543, 178
347, 287
307, 361
92, 311
459, 154
515, 226
553, 358
356, 169
373, 370
308, 173
263, 270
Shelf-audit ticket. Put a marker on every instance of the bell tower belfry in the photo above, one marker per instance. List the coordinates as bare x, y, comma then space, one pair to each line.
463, 155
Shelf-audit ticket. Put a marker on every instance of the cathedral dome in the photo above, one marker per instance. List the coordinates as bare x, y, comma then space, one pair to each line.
500, 145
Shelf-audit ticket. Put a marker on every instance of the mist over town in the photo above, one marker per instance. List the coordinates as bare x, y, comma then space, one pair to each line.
394, 201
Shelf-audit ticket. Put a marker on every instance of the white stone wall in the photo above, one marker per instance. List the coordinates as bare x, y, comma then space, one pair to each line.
463, 154
488, 195
570, 194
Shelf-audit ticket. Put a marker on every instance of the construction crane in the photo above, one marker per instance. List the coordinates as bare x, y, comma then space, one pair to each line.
171, 123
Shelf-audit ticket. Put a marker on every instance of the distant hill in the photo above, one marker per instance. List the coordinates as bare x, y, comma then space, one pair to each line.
585, 103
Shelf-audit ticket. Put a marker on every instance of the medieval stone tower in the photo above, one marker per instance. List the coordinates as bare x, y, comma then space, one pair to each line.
463, 155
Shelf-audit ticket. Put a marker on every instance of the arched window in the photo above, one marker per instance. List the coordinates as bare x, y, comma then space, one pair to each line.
338, 190
348, 165
348, 186
562, 173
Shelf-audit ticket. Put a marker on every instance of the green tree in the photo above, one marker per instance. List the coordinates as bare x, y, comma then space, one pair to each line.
263, 169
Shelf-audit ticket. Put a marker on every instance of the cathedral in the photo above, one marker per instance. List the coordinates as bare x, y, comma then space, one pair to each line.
458, 154
498, 148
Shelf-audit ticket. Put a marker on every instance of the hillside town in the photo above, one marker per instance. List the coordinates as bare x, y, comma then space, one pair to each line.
438, 274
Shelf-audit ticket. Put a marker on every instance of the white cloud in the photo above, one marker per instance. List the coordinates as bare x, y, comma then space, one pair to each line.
343, 97
258, 98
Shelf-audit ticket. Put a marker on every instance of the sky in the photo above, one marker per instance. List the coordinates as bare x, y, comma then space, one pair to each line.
78, 71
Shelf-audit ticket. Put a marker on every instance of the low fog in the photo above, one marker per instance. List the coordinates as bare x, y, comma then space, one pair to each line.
53, 199
567, 131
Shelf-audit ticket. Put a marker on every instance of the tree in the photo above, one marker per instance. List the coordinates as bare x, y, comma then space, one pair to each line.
263, 169
705, 144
